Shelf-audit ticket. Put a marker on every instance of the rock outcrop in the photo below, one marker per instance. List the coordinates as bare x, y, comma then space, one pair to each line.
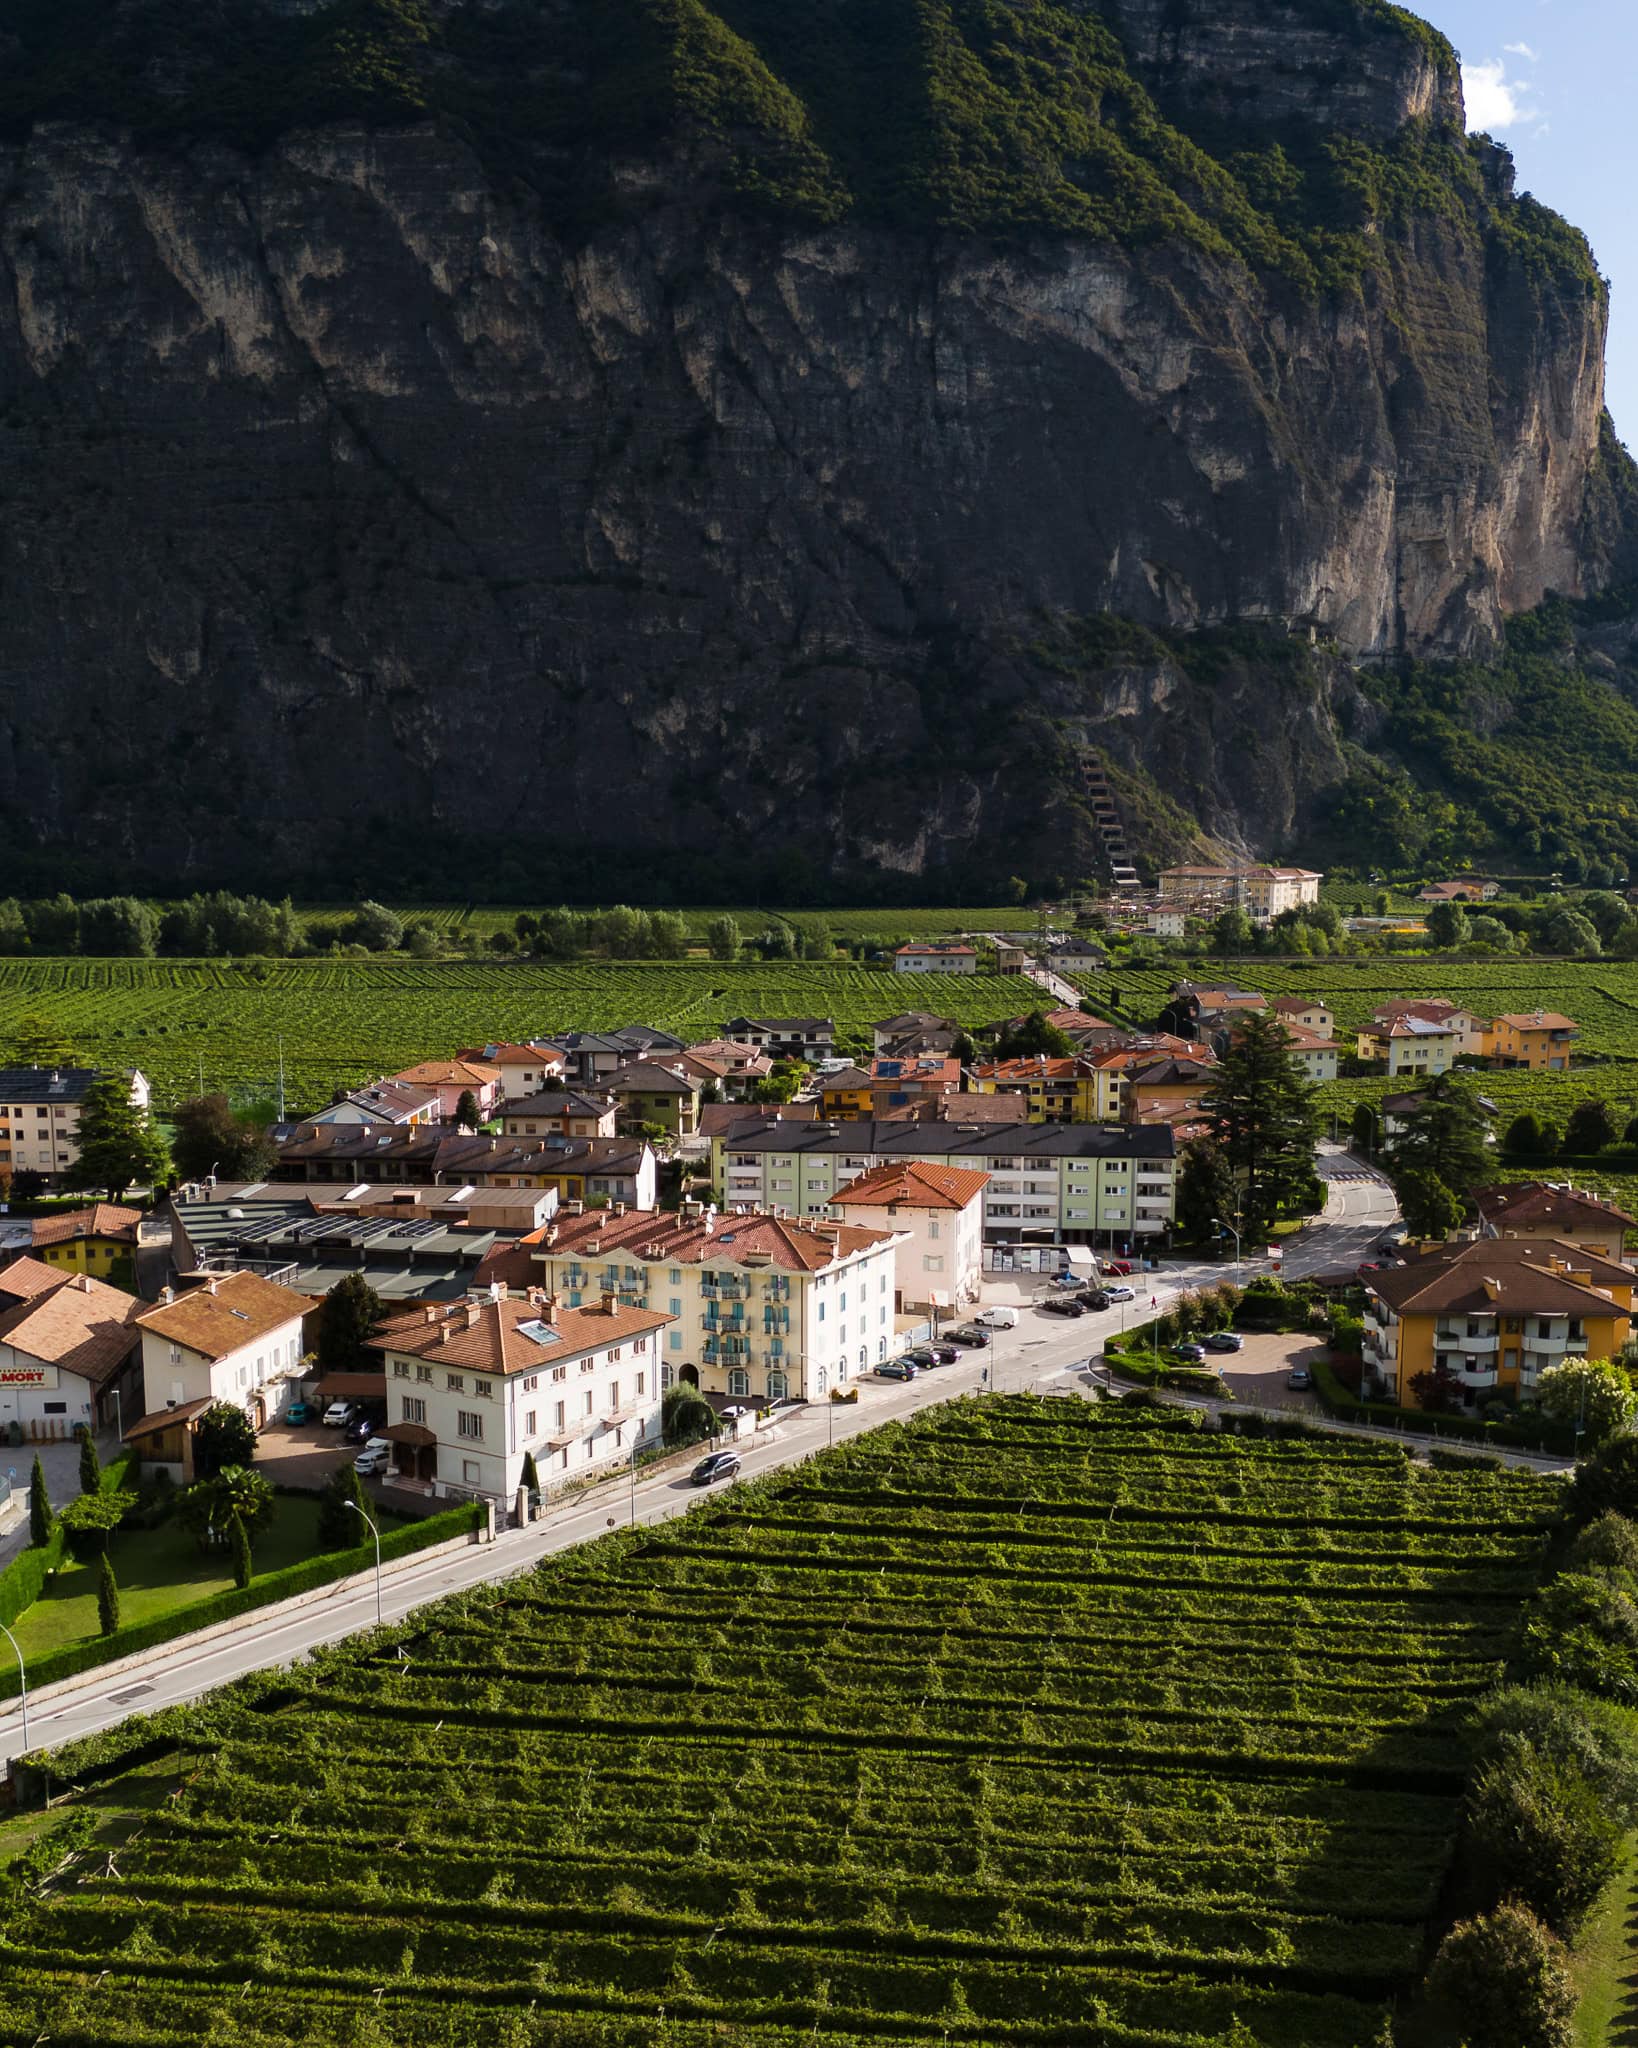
369, 513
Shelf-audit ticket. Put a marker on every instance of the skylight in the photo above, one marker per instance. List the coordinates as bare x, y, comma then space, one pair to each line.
540, 1333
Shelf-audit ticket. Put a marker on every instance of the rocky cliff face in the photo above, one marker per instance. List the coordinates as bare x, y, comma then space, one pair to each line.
366, 517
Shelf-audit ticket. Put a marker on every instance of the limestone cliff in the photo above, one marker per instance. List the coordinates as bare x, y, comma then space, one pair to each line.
718, 466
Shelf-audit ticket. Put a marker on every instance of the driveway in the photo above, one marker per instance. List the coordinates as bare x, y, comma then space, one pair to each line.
302, 1457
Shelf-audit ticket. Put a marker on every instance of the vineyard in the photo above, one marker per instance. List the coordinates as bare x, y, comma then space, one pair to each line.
209, 1023
1023, 1721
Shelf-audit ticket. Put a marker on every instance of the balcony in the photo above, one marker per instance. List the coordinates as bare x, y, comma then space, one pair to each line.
1464, 1340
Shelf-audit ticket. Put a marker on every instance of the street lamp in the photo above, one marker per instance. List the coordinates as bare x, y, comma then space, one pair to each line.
22, 1679
376, 1533
1229, 1230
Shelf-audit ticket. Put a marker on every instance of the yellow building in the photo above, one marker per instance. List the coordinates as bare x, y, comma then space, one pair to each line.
1537, 1039
1540, 1213
100, 1240
1492, 1316
1068, 1091
845, 1095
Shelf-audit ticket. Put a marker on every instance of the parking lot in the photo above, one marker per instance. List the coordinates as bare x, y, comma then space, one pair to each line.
1256, 1374
303, 1457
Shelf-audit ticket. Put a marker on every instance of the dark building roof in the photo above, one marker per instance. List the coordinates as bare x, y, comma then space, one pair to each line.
46, 1084
950, 1136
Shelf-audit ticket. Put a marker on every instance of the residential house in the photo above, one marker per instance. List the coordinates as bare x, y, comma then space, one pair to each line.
236, 1337
1076, 955
449, 1080
937, 1215
1459, 892
1053, 1183
896, 1082
1010, 959
1316, 1053
1209, 1009
475, 1387
1308, 1013
1537, 1039
800, 1038
1167, 920
1084, 1031
619, 1169
1048, 1087
649, 1093
1492, 1315
70, 1356
563, 1110
383, 1103
934, 957
22, 1278
847, 1093
643, 1042
1542, 1212
1418, 1045
1162, 1090
40, 1116
761, 1306
738, 1067
100, 1239
588, 1057
892, 1033
525, 1070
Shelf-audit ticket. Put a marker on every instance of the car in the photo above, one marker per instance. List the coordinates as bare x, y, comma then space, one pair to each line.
1194, 1353
719, 1465
1066, 1279
1121, 1293
1299, 1379
338, 1414
1063, 1305
945, 1354
1393, 1243
998, 1318
897, 1369
297, 1413
1225, 1340
361, 1428
921, 1354
1121, 1266
1093, 1298
969, 1333
376, 1456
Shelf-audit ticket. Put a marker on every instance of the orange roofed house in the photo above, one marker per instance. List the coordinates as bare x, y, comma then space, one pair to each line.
236, 1338
70, 1354
454, 1078
938, 1213
1537, 1039
472, 1387
763, 1307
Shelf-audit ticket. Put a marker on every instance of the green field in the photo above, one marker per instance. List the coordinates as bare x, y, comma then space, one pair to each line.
1024, 1721
343, 1022
870, 923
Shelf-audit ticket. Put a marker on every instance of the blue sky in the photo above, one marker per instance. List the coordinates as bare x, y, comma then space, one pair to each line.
1553, 80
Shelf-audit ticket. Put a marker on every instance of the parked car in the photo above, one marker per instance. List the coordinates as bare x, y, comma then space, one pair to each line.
297, 1413
1093, 1298
897, 1369
998, 1318
923, 1355
1194, 1353
1299, 1379
375, 1457
338, 1414
969, 1333
1121, 1293
1064, 1305
1225, 1340
360, 1429
945, 1354
1066, 1279
720, 1465
1121, 1266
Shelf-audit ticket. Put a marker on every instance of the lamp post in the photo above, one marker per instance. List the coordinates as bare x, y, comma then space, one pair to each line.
22, 1678
376, 1533
1229, 1230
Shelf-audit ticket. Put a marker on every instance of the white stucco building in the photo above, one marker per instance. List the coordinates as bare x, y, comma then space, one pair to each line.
236, 1337
937, 1215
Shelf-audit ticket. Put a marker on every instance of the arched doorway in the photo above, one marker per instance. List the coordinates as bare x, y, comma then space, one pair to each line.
821, 1383
777, 1384
689, 1375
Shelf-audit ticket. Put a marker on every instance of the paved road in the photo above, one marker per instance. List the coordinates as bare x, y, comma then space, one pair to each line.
1044, 1350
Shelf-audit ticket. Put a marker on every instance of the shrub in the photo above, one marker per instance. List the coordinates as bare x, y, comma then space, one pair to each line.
1608, 1544
1606, 1481
223, 1437
1538, 1832
686, 1416
39, 1505
1583, 1630
1574, 1731
1503, 1979
107, 1597
342, 1507
87, 1523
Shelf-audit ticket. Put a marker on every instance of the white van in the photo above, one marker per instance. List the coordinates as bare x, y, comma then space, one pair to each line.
998, 1318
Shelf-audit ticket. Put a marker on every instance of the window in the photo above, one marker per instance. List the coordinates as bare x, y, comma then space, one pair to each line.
55, 1407
614, 1393
400, 1368
414, 1410
739, 1382
642, 1384
777, 1385
560, 1372
423, 1375
930, 1264
455, 1382
529, 1385
471, 1471
530, 1422
932, 1228
588, 1408
641, 1344
483, 1389
666, 1376
557, 1415
468, 1422
675, 1341
675, 1304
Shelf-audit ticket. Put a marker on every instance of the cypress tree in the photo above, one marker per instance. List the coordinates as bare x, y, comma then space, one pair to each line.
239, 1537
39, 1506
90, 1464
531, 1478
107, 1596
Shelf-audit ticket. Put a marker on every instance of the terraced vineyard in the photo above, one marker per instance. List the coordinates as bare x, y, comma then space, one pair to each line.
1024, 1721
344, 1022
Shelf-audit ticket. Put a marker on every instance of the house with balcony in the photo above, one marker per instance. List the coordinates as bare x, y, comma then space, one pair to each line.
568, 1112
760, 1306
787, 1038
1491, 1316
1537, 1039
937, 1214
40, 1116
524, 1069
475, 1386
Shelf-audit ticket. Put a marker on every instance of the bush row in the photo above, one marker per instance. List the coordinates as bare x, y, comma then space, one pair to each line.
1539, 1433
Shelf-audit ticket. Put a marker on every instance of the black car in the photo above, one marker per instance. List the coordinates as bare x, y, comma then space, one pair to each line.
1064, 1305
361, 1429
904, 1368
1093, 1298
944, 1354
923, 1355
720, 1465
969, 1333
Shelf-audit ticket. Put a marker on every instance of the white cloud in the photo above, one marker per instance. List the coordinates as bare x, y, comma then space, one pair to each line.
1520, 50
1495, 101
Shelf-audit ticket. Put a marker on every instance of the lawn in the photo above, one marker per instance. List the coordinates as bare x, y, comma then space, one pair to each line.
1606, 1962
1018, 1722
159, 1570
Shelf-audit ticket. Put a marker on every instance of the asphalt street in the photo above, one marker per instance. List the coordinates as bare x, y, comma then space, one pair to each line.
1042, 1351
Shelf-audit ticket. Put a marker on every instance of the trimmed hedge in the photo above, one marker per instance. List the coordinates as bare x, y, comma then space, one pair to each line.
262, 1592
23, 1580
1540, 1434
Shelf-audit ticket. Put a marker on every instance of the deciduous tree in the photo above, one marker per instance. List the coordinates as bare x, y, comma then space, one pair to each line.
352, 1312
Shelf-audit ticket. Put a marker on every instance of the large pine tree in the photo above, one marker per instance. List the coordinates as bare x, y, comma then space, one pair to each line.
119, 1144
1264, 1121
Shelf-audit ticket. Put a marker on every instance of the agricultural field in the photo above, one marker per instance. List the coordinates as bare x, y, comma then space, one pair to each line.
211, 1024
1022, 1721
850, 924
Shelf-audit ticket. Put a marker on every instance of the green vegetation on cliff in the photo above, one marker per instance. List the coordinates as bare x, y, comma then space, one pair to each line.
981, 116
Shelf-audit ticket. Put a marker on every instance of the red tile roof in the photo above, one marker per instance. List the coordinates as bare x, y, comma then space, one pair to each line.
913, 1184
102, 1219
494, 1336
226, 1313
82, 1325
693, 1240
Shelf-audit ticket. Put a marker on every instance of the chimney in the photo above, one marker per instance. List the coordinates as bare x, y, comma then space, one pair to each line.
548, 1305
432, 1312
82, 1282
212, 1284
167, 1294
611, 1303
443, 1332
619, 1208
574, 1208
474, 1309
